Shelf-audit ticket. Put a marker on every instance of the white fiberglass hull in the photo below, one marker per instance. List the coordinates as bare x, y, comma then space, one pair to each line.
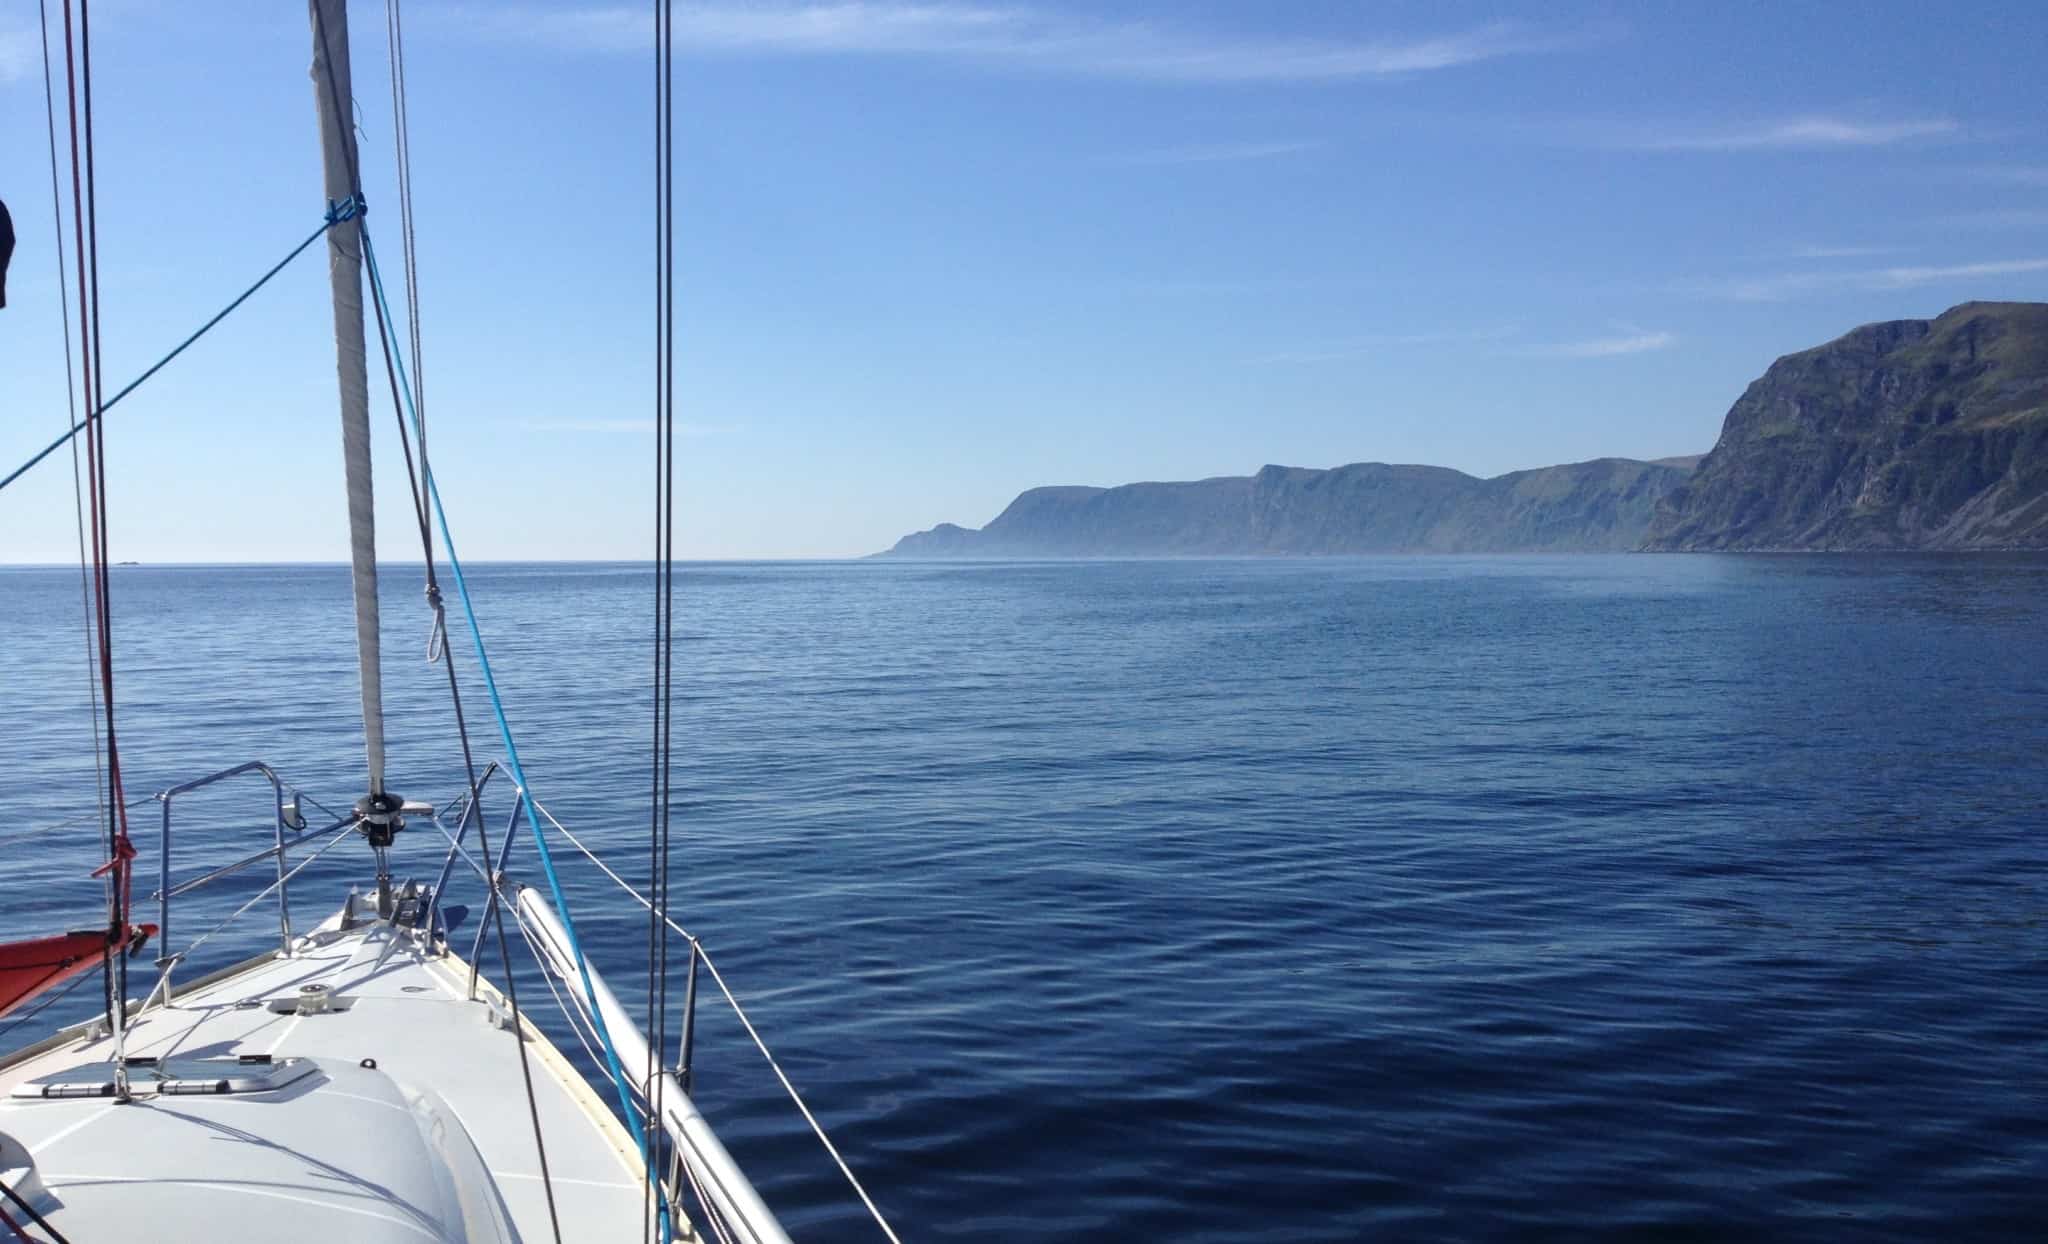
397, 1112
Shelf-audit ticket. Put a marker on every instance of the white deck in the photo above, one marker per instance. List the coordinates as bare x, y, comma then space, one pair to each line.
368, 1153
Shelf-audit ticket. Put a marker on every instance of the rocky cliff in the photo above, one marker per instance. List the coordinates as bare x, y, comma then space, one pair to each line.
1912, 434
1367, 507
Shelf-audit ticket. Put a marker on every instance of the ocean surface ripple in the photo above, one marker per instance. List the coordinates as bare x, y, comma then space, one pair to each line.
1465, 898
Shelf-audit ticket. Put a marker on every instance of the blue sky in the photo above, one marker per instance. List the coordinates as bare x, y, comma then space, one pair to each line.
932, 254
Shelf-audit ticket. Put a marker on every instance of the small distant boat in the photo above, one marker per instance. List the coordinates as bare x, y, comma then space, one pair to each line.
360, 1079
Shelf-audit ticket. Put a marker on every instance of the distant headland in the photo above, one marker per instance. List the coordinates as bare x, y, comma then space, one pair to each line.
1904, 435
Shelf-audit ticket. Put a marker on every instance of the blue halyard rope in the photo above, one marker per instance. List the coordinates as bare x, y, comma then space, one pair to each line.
336, 213
483, 660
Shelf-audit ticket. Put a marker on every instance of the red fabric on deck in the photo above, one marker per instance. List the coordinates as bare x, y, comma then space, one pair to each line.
28, 968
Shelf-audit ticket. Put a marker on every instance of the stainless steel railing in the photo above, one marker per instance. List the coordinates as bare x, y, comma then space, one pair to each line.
698, 1163
281, 846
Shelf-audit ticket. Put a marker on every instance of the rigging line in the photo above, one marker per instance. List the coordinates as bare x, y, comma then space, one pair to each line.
668, 491
402, 127
402, 160
511, 990
432, 493
54, 826
512, 765
734, 1002
92, 358
606, 869
120, 853
347, 211
393, 372
412, 480
87, 321
95, 358
660, 846
398, 146
456, 851
84, 323
265, 892
571, 1016
99, 776
657, 963
578, 1021
497, 909
56, 1236
96, 459
497, 915
460, 800
332, 814
44, 1005
709, 1209
817, 1128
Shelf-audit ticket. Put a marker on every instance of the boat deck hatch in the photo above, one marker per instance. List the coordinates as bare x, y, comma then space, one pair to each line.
171, 1077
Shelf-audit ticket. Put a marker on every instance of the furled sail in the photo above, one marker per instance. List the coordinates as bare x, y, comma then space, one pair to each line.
331, 90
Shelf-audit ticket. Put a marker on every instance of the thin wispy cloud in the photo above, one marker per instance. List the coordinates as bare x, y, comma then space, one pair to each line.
19, 48
1901, 278
1381, 344
2012, 174
1844, 252
1775, 287
1221, 153
1804, 133
1214, 287
1781, 286
1998, 218
1018, 37
1628, 342
644, 425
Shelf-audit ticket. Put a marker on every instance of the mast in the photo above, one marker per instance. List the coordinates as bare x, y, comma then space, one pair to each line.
332, 94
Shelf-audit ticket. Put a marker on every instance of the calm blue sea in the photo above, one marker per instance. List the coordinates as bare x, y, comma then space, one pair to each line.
1471, 898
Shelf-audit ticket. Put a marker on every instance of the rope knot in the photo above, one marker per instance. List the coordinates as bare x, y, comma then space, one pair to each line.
124, 851
348, 209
